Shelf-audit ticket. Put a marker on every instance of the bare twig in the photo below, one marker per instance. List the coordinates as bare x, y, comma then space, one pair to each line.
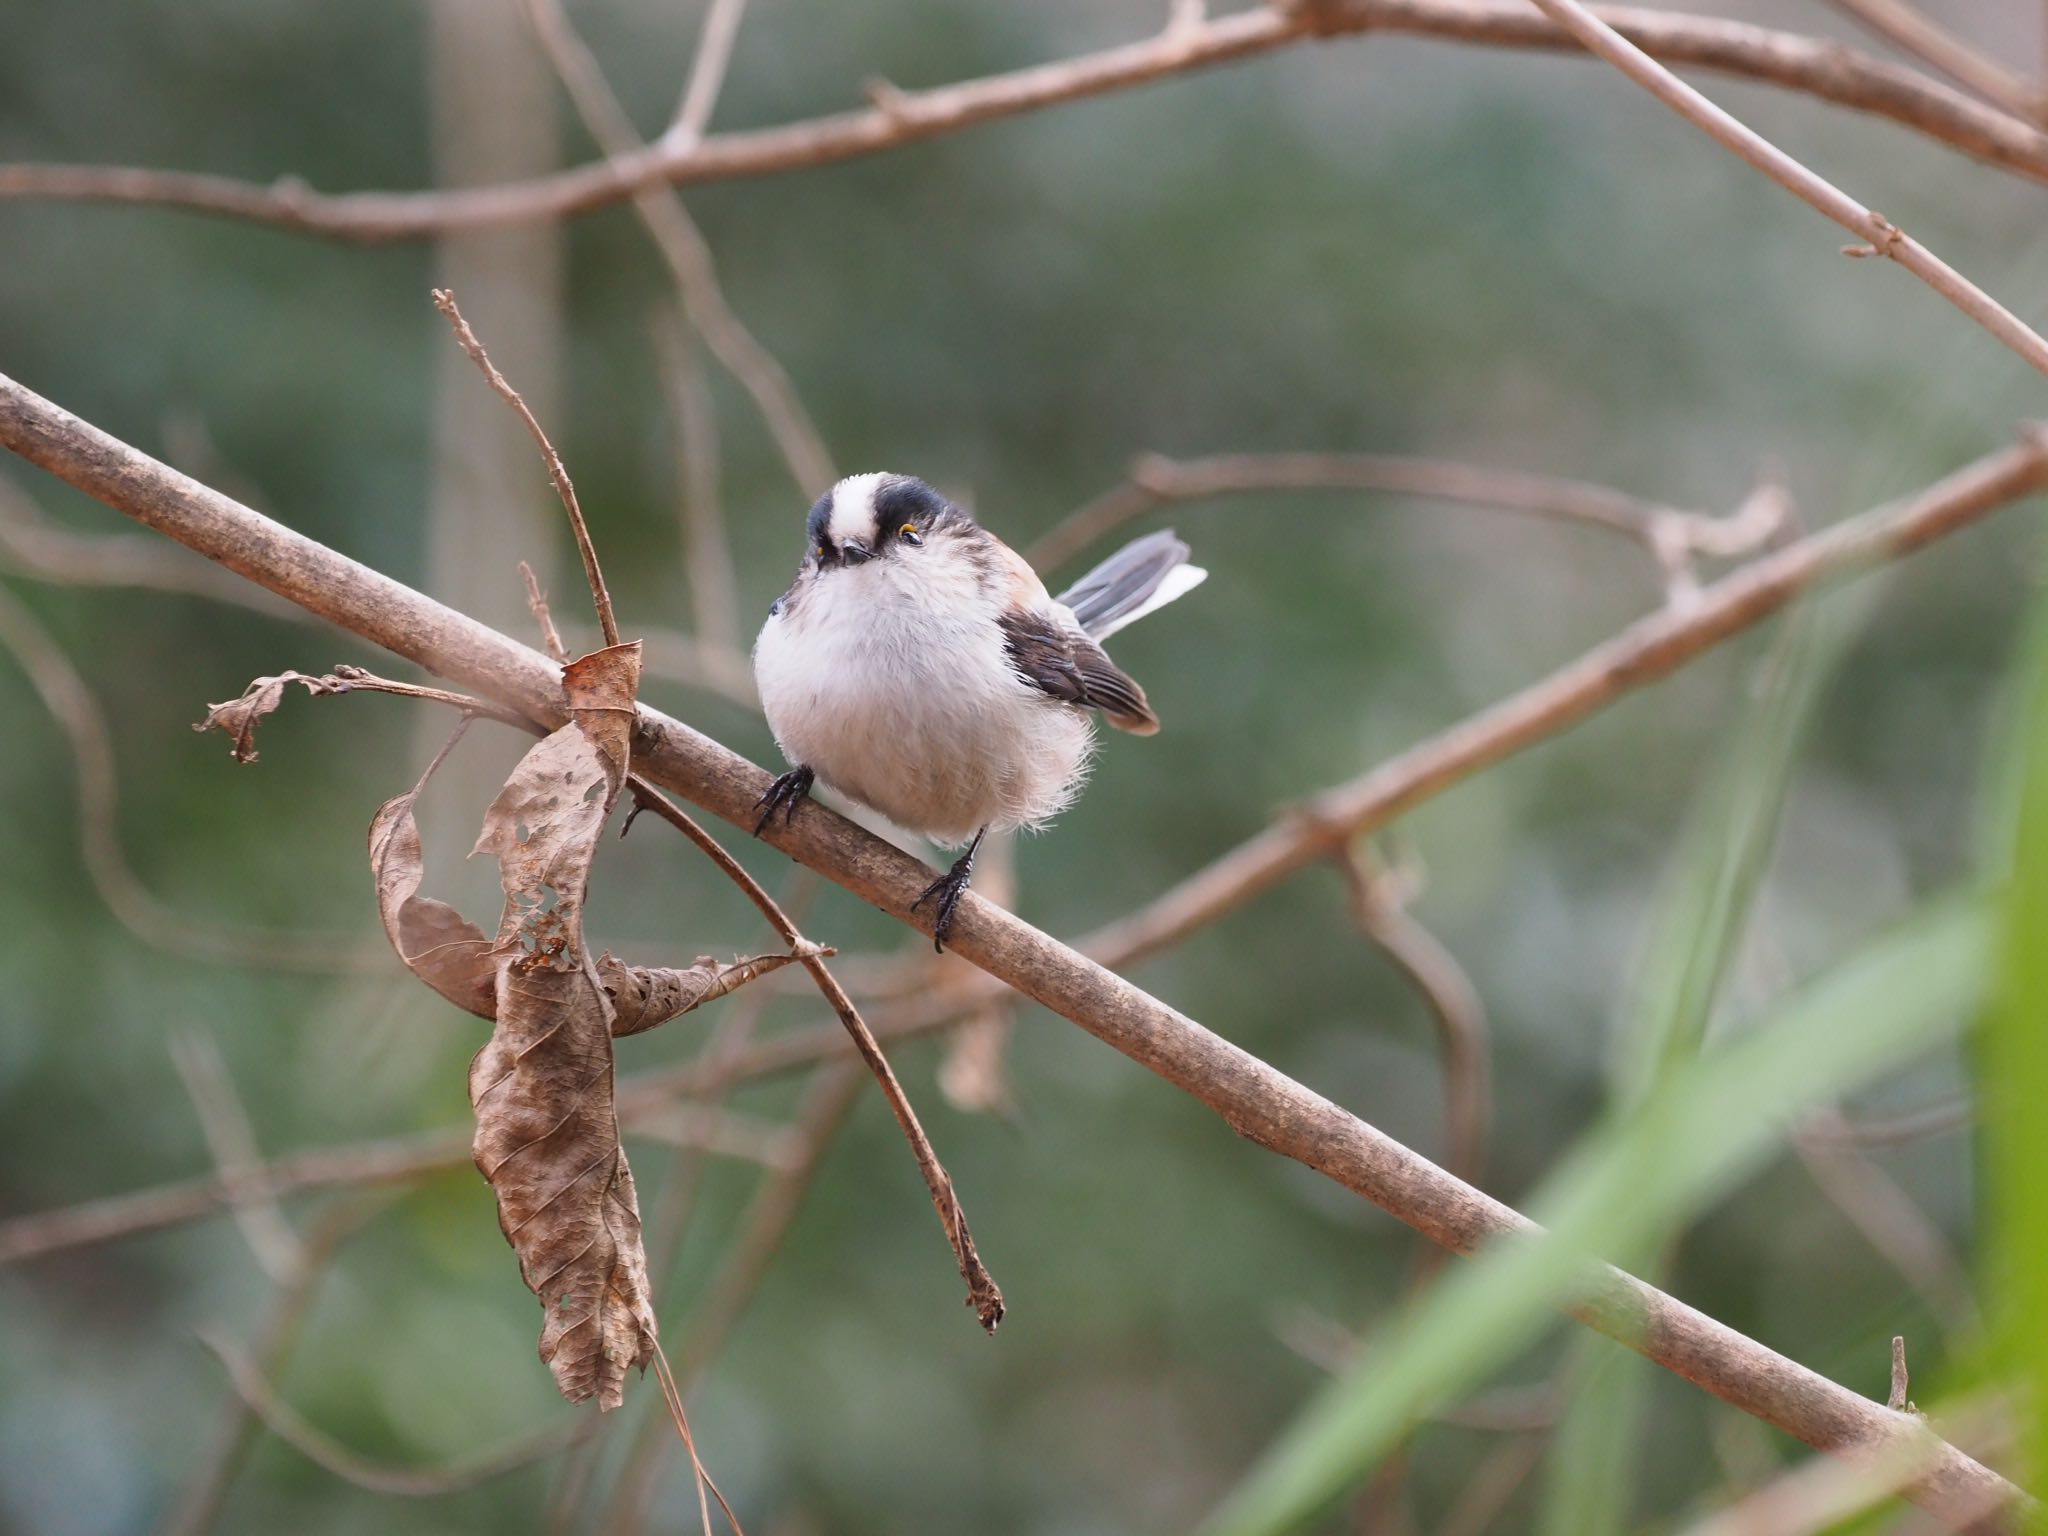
1493, 1483
1823, 69
983, 1294
141, 911
1645, 651
688, 256
1884, 238
1926, 39
687, 659
199, 1505
388, 1160
1379, 907
557, 471
835, 1088
38, 550
1672, 536
1888, 1219
226, 1126
1899, 1398
543, 616
707, 71
973, 1074
707, 558
324, 1451
1823, 1493
34, 547
1939, 1119
1258, 1101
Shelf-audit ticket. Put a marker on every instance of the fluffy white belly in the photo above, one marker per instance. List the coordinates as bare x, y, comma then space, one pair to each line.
915, 710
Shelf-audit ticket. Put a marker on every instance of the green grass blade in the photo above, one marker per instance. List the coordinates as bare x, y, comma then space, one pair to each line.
1701, 915
1713, 1120
2013, 1083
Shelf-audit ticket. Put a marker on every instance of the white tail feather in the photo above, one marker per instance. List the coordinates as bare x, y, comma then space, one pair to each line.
1178, 582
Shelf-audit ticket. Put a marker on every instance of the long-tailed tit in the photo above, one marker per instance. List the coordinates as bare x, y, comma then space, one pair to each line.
919, 666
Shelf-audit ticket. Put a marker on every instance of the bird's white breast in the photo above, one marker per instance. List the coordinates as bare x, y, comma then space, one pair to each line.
892, 682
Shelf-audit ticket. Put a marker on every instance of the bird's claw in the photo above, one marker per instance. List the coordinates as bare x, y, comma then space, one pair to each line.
948, 888
784, 795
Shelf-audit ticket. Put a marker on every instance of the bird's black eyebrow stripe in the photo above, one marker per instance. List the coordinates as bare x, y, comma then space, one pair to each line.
907, 501
820, 519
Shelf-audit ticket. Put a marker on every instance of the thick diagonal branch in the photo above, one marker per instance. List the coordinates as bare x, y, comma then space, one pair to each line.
1257, 1101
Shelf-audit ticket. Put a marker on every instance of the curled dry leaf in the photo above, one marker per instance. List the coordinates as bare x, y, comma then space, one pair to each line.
547, 1129
238, 718
547, 1133
452, 955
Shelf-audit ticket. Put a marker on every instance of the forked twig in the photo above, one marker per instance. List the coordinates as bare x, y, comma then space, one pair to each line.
324, 1451
707, 71
1926, 39
1817, 67
151, 919
1882, 236
687, 254
983, 1294
557, 471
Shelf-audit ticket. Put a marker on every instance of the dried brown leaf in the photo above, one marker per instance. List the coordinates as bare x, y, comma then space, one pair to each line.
453, 956
547, 1135
238, 718
437, 943
643, 996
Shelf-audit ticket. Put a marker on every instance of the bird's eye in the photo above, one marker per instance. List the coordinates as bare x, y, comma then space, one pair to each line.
908, 534
821, 551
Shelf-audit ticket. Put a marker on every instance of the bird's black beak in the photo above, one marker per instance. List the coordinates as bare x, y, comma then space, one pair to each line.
853, 552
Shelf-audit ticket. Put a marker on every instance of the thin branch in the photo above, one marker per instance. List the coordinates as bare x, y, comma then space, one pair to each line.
1890, 1222
1900, 1398
1943, 1118
388, 1160
1817, 192
1820, 68
688, 256
707, 72
558, 472
983, 1294
1255, 1099
1672, 536
138, 909
973, 1074
1822, 1493
324, 1451
1495, 1481
543, 616
199, 1505
834, 1090
38, 550
1927, 40
233, 1145
1379, 907
707, 557
33, 547
1650, 649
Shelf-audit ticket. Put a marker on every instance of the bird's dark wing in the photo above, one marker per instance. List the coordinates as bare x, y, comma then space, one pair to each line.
1068, 666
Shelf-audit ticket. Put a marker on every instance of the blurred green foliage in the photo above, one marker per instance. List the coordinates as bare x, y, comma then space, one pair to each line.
1379, 244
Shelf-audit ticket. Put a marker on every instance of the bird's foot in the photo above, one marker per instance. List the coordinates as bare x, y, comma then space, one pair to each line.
784, 795
948, 889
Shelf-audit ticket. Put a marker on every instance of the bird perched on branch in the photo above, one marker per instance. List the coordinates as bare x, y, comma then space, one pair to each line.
919, 666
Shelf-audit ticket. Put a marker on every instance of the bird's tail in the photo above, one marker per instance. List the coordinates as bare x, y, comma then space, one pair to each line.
1145, 574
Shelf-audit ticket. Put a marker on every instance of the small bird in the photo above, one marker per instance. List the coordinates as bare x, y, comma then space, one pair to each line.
918, 665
